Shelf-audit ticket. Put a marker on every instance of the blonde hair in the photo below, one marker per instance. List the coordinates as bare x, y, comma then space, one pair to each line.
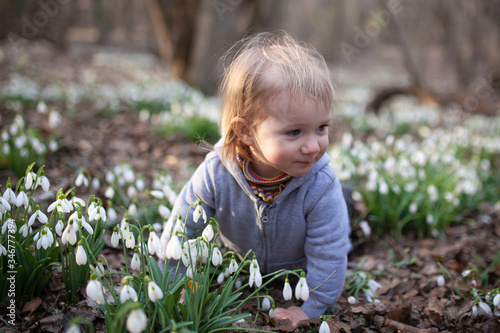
246, 89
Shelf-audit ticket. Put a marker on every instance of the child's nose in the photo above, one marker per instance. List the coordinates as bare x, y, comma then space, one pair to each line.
311, 146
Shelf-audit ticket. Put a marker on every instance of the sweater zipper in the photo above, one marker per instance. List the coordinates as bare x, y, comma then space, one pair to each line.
264, 218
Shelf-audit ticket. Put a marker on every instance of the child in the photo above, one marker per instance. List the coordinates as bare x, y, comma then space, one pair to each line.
268, 181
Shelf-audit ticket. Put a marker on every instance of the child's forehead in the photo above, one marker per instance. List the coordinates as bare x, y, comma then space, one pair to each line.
285, 101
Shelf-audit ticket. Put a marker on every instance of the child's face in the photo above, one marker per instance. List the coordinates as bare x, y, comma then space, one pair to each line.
291, 139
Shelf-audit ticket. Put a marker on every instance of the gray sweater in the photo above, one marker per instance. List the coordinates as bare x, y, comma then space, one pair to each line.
307, 226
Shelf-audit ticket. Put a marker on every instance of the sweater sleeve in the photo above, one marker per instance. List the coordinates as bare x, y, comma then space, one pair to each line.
326, 248
200, 186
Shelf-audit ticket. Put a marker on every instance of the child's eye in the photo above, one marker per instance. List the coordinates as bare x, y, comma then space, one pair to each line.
323, 128
294, 132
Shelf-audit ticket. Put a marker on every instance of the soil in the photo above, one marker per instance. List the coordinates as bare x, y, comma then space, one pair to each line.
407, 269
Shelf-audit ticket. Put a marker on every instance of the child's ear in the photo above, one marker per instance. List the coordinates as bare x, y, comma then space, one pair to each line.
243, 131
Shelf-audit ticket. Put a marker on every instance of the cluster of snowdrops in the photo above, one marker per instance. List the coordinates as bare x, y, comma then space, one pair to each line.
69, 234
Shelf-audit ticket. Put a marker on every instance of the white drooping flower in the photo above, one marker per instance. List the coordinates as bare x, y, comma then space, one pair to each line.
137, 321
136, 262
22, 199
496, 300
255, 275
287, 290
324, 328
199, 212
81, 179
365, 228
59, 227
302, 289
62, 205
352, 300
208, 232
154, 243
69, 233
266, 303
4, 205
115, 237
81, 255
216, 256
29, 180
44, 238
154, 291
94, 290
164, 211
272, 312
9, 195
37, 215
440, 280
157, 194
484, 309
127, 292
233, 265
130, 241
174, 250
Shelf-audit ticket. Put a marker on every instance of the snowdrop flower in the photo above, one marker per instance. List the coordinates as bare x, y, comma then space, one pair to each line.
233, 265
174, 250
352, 300
77, 201
324, 328
29, 180
157, 194
256, 277
154, 243
98, 213
4, 205
115, 237
137, 321
496, 300
413, 208
220, 277
466, 273
41, 107
199, 212
131, 191
22, 198
69, 234
238, 283
127, 292
287, 290
109, 193
81, 179
365, 228
484, 309
164, 211
44, 238
125, 226
73, 328
24, 230
99, 267
208, 232
154, 291
433, 192
37, 215
9, 195
216, 256
383, 187
302, 289
81, 255
3, 250
61, 204
266, 303
59, 227
136, 262
9, 224
130, 241
272, 312
440, 280
94, 290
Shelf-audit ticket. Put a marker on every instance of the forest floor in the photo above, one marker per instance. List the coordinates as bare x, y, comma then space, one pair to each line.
407, 268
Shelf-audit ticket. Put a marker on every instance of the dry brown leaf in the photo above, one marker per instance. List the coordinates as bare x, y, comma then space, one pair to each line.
32, 305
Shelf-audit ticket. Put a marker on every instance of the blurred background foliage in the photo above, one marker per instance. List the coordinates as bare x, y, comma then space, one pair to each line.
461, 37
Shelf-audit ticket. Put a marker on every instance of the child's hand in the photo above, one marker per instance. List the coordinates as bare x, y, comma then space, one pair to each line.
293, 313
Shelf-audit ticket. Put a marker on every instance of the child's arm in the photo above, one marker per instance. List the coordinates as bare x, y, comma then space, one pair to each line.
326, 248
200, 186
